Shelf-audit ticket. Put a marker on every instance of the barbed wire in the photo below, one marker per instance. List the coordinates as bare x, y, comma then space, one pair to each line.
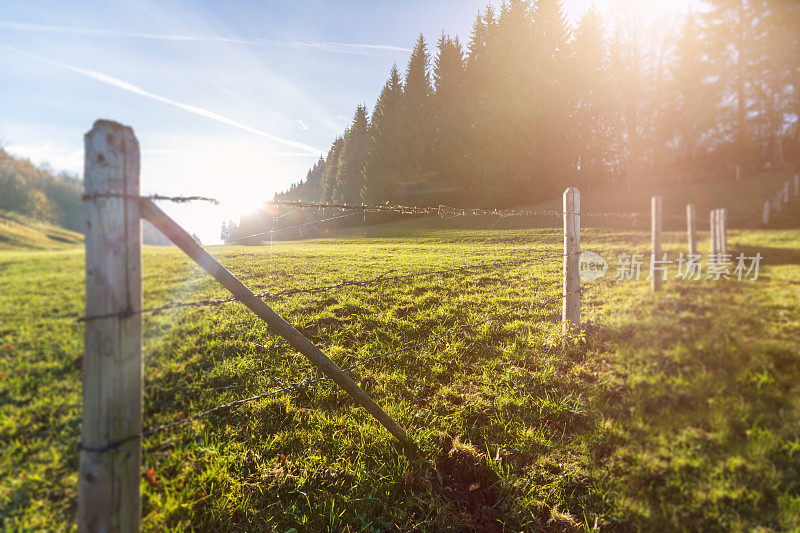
441, 210
157, 197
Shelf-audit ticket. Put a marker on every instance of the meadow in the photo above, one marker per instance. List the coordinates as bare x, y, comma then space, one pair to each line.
676, 410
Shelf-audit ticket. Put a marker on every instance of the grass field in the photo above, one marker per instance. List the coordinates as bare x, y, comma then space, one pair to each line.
678, 410
21, 232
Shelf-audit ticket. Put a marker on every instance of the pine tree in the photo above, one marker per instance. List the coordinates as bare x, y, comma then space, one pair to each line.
350, 174
690, 94
449, 112
479, 84
329, 187
731, 26
554, 95
417, 143
383, 164
589, 131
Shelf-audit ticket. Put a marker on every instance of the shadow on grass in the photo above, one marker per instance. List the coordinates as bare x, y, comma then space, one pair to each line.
709, 403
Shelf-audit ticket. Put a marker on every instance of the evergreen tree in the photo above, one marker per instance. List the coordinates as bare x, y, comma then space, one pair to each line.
329, 186
449, 112
553, 95
732, 35
383, 164
350, 173
479, 83
691, 116
417, 142
589, 133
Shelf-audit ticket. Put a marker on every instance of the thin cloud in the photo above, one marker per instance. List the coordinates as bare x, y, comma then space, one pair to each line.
340, 48
303, 125
197, 110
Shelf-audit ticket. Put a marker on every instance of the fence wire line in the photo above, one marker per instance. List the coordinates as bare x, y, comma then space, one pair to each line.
157, 197
383, 278
441, 210
312, 381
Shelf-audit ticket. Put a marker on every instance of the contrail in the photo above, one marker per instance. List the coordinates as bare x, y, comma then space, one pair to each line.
169, 151
342, 48
126, 86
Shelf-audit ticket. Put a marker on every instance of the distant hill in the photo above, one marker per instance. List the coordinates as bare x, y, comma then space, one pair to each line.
22, 232
40, 193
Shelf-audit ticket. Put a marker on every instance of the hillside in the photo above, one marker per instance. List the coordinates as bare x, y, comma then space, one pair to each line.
19, 231
39, 192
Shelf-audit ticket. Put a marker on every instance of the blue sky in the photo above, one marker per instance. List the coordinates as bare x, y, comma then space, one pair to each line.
233, 99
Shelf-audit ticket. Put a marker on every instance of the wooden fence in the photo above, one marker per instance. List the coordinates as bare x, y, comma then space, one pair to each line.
110, 449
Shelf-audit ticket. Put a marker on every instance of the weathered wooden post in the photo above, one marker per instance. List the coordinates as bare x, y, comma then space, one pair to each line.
765, 213
110, 449
655, 218
797, 185
777, 201
691, 228
786, 192
723, 231
571, 311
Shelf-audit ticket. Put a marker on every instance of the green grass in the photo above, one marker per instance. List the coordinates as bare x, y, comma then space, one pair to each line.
677, 410
21, 232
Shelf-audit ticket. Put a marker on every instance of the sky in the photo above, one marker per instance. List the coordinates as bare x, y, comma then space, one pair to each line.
230, 99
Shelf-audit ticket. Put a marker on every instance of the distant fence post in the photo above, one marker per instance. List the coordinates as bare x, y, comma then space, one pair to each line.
713, 235
777, 201
110, 449
571, 311
765, 213
691, 228
786, 192
655, 216
723, 231
738, 172
797, 185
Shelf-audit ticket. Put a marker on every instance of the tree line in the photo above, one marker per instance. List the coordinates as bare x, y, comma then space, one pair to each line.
533, 104
40, 193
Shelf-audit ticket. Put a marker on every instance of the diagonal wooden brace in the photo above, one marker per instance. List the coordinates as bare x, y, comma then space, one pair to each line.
175, 233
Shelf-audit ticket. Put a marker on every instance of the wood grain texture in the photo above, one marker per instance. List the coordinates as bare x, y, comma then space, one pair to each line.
108, 482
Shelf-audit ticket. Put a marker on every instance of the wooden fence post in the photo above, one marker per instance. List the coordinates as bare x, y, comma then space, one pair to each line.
786, 192
110, 449
571, 311
738, 172
797, 185
691, 228
723, 231
655, 218
777, 201
713, 235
